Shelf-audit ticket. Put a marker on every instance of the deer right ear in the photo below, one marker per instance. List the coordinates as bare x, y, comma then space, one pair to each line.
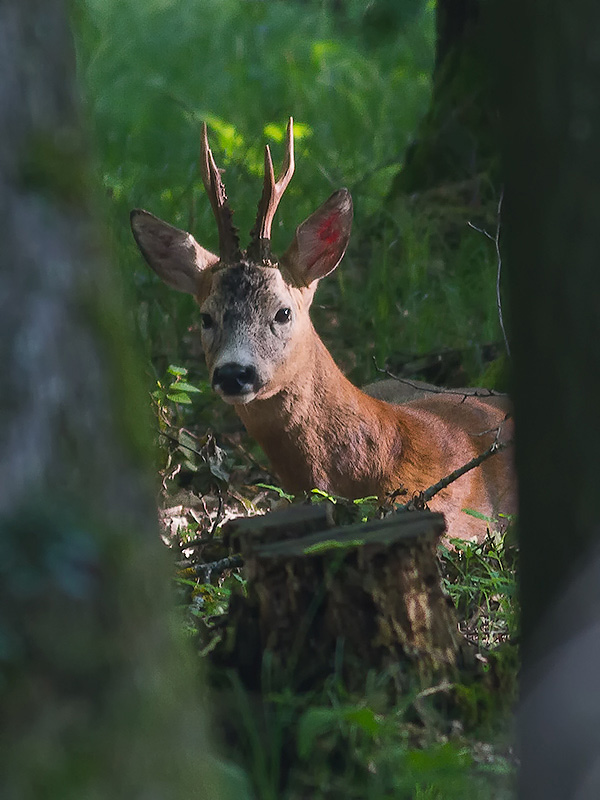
174, 255
321, 240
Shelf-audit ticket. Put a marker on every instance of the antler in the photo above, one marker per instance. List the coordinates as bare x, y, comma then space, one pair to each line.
229, 243
260, 245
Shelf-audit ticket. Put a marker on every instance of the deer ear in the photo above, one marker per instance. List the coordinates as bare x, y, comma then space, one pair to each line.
174, 255
321, 240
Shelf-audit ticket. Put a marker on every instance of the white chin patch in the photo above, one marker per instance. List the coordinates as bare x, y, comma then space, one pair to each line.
236, 399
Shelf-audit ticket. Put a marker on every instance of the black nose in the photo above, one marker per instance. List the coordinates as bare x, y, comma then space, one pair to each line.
234, 379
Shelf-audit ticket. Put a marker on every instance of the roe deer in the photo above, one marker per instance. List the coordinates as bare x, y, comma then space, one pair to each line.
265, 358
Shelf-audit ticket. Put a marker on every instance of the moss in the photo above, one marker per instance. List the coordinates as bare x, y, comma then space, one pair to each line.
490, 696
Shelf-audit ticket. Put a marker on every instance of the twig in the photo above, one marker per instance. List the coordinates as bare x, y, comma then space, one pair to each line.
219, 515
424, 497
444, 686
499, 257
496, 240
206, 571
438, 389
176, 441
497, 430
419, 704
246, 454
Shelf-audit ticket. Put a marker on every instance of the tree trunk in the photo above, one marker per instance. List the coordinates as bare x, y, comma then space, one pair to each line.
548, 85
96, 694
456, 144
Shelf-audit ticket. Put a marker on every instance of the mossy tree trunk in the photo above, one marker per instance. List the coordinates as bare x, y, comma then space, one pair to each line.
456, 143
548, 87
96, 693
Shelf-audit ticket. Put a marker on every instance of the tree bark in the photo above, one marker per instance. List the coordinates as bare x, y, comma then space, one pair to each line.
548, 85
96, 693
456, 142
362, 596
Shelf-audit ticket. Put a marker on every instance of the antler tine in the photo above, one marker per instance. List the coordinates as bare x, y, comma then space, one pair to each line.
260, 245
229, 244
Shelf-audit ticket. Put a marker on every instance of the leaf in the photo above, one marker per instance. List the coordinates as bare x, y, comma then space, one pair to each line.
477, 514
180, 397
175, 370
368, 499
318, 721
231, 779
228, 137
218, 471
365, 719
332, 544
319, 493
276, 489
314, 723
302, 130
275, 132
183, 386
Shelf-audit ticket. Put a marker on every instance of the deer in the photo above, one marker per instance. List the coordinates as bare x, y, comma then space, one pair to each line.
266, 359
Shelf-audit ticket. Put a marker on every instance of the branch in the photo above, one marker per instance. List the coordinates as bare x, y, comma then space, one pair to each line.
206, 571
496, 240
423, 497
429, 388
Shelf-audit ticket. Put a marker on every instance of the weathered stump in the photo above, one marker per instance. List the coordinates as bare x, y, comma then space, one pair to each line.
365, 595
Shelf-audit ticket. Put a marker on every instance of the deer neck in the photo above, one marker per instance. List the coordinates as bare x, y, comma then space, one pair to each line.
321, 431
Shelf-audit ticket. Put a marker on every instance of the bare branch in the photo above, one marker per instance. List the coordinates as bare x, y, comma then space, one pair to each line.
496, 240
418, 385
423, 497
207, 571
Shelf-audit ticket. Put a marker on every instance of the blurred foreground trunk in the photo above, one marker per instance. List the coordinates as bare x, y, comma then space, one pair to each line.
548, 76
96, 693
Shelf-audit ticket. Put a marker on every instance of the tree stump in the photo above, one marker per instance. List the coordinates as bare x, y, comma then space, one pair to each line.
365, 595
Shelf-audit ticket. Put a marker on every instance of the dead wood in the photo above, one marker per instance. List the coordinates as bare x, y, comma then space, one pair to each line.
319, 594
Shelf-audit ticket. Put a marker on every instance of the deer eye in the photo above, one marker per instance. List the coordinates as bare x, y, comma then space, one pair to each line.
207, 321
283, 315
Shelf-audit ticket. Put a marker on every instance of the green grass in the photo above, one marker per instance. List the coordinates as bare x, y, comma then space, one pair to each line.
480, 579
334, 744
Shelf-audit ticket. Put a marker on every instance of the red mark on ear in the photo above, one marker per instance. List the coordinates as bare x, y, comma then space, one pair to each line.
328, 231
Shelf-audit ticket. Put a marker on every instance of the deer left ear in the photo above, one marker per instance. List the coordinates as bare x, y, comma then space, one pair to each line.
320, 241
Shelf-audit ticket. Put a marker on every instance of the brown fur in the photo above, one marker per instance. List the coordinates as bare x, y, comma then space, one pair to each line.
321, 431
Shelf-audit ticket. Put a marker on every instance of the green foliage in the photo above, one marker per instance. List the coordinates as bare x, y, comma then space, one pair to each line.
153, 71
357, 747
480, 578
430, 285
177, 390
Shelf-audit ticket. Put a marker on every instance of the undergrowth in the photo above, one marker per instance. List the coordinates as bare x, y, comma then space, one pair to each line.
335, 742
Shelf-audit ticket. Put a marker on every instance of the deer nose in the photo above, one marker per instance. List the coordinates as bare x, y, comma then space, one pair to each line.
234, 379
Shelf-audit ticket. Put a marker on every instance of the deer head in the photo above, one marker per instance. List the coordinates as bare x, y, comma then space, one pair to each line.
253, 306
